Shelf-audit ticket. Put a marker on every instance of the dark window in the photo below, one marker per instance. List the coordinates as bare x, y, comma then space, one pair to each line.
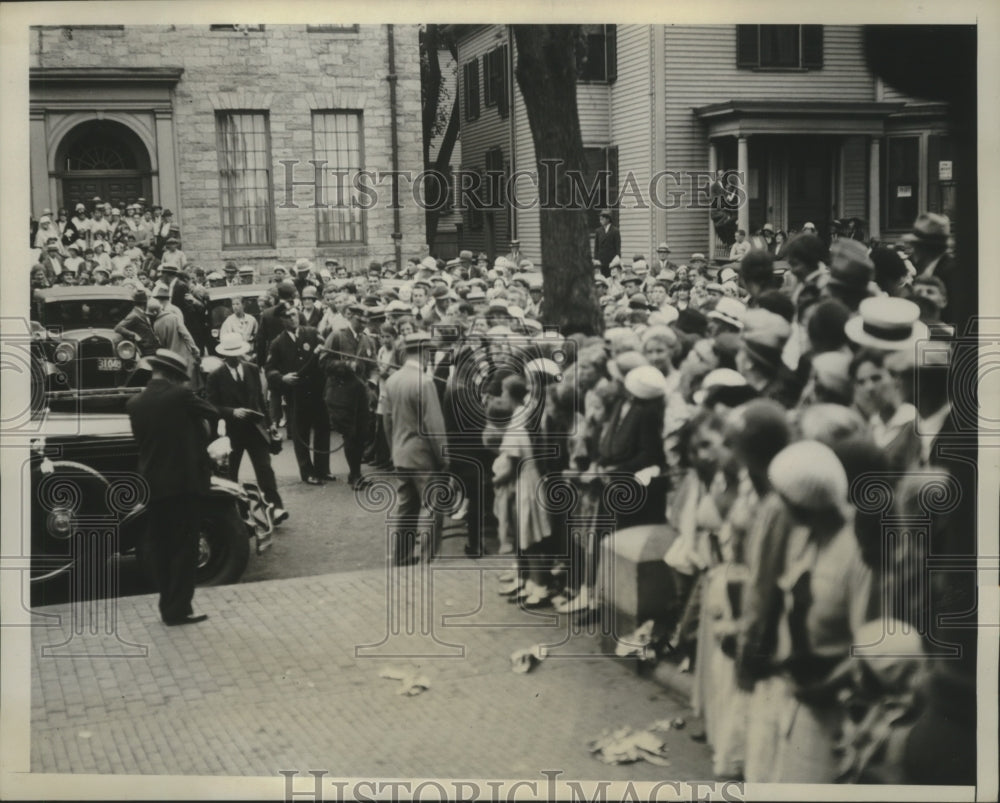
602, 168
902, 181
779, 47
245, 179
495, 70
473, 211
470, 89
941, 167
237, 28
337, 143
331, 28
597, 54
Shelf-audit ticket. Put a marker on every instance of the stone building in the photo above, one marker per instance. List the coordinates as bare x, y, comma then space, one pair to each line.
220, 124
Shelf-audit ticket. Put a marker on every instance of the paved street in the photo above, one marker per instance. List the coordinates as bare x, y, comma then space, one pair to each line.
272, 681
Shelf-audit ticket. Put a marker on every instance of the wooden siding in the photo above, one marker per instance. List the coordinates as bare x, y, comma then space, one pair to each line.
631, 132
529, 227
854, 169
478, 136
593, 103
700, 65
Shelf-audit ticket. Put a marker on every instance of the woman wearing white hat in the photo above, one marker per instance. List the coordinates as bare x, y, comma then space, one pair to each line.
821, 592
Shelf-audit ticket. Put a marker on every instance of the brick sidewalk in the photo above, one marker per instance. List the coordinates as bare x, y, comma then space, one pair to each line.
272, 682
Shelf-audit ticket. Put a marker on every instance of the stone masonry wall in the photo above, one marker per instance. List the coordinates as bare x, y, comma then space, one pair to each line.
288, 71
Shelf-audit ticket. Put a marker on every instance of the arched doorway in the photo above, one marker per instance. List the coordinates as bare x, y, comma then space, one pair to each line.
102, 158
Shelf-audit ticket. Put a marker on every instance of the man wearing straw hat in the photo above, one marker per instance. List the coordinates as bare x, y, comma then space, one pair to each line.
236, 390
172, 429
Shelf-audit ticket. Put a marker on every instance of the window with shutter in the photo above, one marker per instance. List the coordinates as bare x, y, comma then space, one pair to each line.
812, 46
747, 51
495, 80
779, 47
470, 89
597, 54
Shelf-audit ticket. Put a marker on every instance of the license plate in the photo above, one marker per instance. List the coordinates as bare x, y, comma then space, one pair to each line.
109, 364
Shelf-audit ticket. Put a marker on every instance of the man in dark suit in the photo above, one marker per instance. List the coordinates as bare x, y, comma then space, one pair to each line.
270, 326
930, 255
607, 243
293, 366
235, 389
172, 428
353, 343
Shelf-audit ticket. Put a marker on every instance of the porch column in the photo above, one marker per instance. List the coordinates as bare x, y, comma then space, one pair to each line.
743, 166
874, 188
713, 165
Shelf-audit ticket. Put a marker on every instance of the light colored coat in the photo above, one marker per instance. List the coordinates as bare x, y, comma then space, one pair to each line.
414, 425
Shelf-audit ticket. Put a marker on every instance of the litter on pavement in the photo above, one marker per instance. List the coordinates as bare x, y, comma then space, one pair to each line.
523, 661
411, 683
626, 746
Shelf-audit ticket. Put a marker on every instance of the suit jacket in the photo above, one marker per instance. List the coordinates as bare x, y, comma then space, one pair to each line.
173, 334
137, 326
312, 319
360, 348
634, 441
607, 245
414, 425
269, 327
172, 428
227, 394
286, 355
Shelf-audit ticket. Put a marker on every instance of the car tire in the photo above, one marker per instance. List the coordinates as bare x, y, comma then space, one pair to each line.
224, 545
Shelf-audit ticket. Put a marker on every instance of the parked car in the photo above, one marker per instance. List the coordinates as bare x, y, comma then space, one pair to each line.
85, 485
75, 346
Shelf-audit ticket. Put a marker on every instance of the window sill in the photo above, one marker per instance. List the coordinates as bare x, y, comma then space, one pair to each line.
263, 249
782, 69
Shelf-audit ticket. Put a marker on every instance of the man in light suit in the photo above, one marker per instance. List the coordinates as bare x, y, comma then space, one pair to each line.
235, 389
293, 365
414, 427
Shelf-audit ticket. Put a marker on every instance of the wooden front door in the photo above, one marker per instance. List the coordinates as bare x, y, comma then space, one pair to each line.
809, 191
116, 188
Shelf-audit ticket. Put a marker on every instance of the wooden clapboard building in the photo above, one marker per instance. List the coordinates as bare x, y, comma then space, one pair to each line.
793, 108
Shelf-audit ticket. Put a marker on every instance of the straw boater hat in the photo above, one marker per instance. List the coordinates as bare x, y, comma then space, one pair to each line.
168, 361
729, 310
646, 382
232, 344
625, 363
720, 377
889, 324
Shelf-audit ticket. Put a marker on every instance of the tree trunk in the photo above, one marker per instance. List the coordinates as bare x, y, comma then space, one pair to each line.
546, 76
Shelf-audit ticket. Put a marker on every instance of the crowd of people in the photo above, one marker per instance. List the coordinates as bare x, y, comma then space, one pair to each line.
746, 408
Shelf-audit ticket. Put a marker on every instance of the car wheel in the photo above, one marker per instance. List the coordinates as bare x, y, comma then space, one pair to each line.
66, 494
223, 546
